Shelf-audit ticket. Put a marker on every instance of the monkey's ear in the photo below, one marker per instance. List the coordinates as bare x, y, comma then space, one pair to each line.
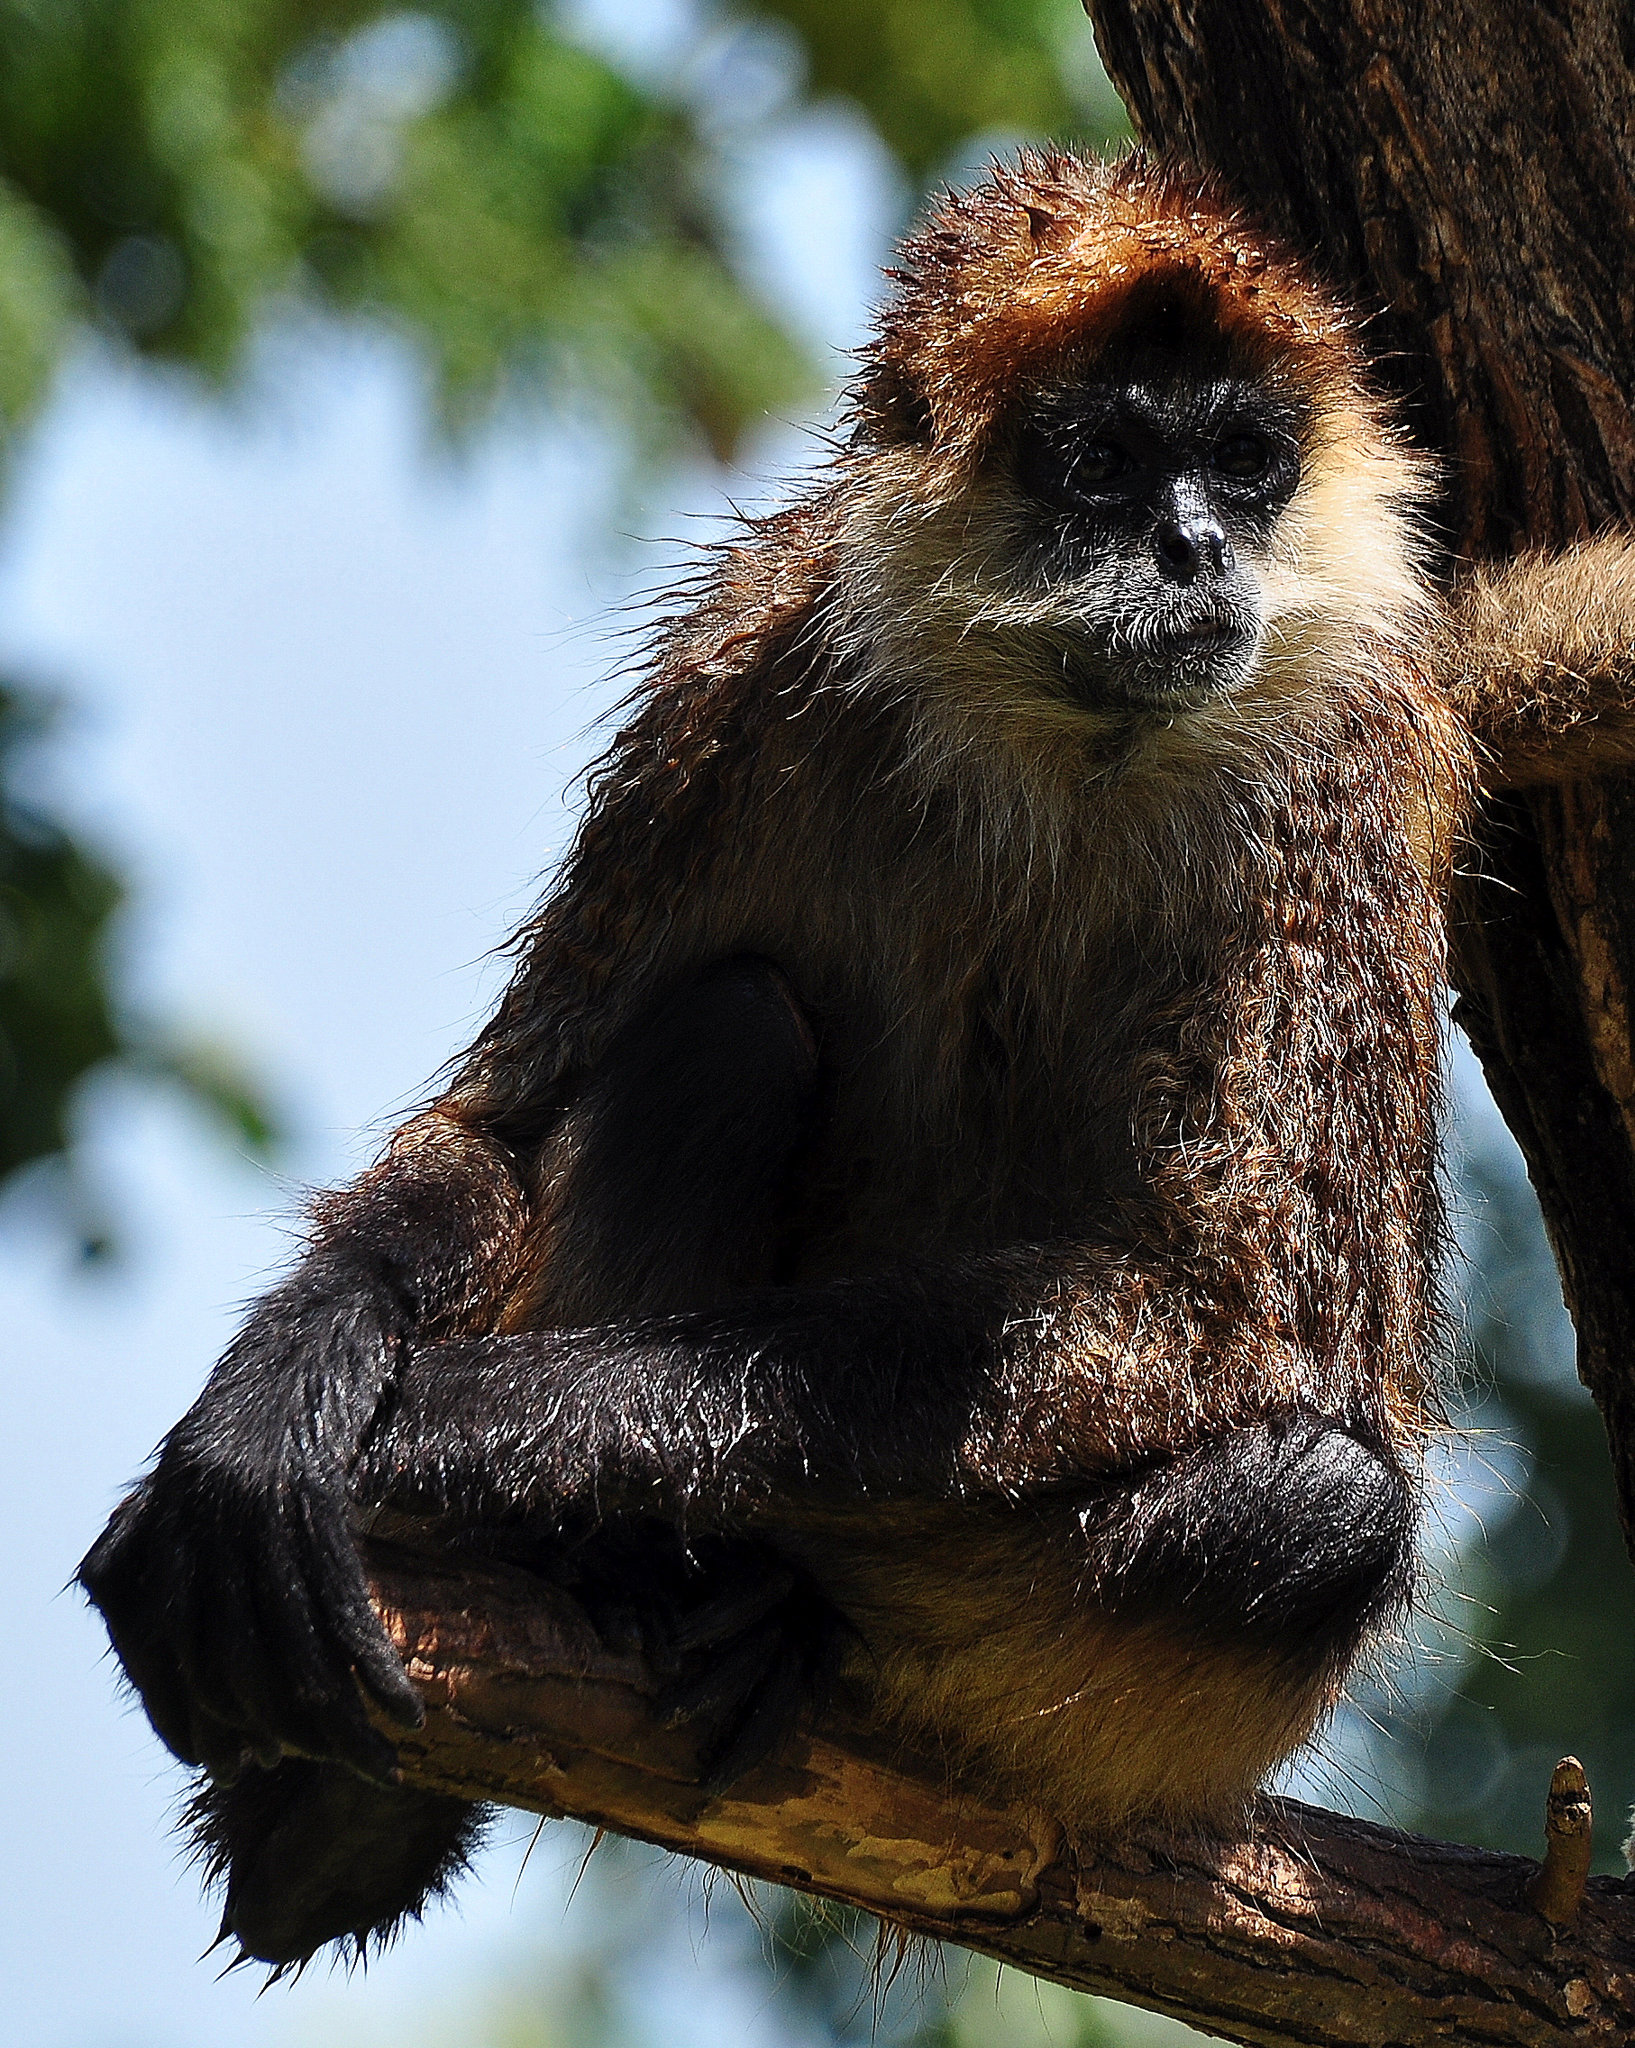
891, 409
1041, 223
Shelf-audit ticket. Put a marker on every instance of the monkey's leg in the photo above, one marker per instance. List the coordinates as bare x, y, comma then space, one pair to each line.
670, 1168
665, 1176
1150, 1648
1296, 1534
1110, 1634
665, 1184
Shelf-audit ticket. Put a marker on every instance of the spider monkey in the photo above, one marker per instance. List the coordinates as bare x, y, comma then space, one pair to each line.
951, 1188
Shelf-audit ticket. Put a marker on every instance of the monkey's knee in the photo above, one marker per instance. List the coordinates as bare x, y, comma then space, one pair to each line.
1295, 1534
673, 1162
309, 1853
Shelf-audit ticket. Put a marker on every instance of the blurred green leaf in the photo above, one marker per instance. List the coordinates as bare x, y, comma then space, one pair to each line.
39, 296
933, 74
218, 1082
59, 1021
56, 1020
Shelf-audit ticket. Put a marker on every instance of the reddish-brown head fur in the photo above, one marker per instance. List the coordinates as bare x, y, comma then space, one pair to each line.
1046, 259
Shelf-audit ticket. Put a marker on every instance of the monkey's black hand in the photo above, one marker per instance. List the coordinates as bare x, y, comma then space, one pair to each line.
738, 1638
230, 1579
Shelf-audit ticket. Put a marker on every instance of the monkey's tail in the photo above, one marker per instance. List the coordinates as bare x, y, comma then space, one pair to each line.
310, 1853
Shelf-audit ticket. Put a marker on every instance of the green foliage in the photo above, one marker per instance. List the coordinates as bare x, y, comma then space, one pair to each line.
462, 171
933, 74
171, 169
56, 1020
38, 299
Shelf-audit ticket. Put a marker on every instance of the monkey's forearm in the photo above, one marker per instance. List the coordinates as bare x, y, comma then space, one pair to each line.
1539, 657
934, 1385
703, 1414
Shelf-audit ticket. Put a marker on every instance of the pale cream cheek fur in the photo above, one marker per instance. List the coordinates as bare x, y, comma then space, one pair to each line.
932, 612
930, 600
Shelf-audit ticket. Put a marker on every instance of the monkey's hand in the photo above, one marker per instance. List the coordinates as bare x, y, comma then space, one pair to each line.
230, 1578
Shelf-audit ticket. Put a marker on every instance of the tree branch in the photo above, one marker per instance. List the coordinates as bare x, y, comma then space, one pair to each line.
1312, 1929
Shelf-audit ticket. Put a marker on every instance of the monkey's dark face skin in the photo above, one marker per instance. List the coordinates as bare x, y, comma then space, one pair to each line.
1162, 491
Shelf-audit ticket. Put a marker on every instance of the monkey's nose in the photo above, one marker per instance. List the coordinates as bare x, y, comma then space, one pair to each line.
1186, 547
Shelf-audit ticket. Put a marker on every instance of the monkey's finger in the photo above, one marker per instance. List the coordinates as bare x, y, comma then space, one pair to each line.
720, 1687
176, 1664
352, 1623
260, 1672
156, 1679
341, 1637
231, 1659
131, 1590
730, 1613
379, 1670
767, 1717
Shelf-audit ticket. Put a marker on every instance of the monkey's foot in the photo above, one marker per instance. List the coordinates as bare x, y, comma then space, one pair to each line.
757, 1649
741, 1641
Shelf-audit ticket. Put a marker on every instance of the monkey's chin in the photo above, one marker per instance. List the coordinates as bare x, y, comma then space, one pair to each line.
1181, 672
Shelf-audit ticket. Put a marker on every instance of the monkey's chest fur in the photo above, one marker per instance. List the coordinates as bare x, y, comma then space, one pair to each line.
1185, 1038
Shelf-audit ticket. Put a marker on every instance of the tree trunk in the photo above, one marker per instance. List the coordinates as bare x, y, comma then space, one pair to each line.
1313, 1929
1467, 167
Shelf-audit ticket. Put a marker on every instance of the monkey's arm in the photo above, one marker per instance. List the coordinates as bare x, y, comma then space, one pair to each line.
1265, 1505
1539, 657
229, 1579
1002, 1375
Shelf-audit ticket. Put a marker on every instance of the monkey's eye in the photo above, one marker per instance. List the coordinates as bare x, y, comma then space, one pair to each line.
1098, 462
1244, 456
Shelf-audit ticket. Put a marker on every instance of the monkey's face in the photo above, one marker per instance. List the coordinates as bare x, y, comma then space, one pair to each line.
1148, 504
1122, 494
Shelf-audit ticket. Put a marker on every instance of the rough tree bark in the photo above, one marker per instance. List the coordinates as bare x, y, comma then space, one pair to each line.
1314, 1929
1465, 166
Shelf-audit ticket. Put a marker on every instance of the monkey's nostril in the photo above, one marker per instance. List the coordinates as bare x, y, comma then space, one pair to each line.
1184, 548
1177, 549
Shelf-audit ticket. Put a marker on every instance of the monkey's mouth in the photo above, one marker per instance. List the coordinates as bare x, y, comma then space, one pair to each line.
1165, 664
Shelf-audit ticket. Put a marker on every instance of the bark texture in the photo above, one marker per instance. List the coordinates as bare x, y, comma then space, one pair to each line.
1314, 1929
1467, 169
